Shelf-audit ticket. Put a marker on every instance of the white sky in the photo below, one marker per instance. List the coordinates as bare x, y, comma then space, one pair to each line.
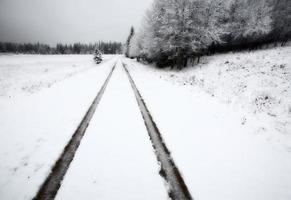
68, 21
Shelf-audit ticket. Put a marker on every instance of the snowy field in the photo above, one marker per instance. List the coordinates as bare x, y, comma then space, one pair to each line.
225, 121
257, 85
36, 126
30, 73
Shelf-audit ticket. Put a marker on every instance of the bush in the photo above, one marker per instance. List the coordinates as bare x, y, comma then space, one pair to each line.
97, 56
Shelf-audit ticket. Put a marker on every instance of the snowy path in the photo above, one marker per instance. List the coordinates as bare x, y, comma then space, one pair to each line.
52, 184
177, 188
115, 159
218, 157
34, 129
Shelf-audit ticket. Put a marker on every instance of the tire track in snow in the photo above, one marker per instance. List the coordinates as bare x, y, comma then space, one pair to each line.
177, 188
50, 187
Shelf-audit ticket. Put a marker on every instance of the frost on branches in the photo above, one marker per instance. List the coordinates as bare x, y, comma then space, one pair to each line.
175, 32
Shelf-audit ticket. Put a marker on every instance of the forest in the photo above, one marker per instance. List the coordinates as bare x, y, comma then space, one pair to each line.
76, 48
175, 32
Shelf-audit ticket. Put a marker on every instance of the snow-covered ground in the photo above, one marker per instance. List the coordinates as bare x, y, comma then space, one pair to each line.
35, 127
226, 122
115, 159
256, 84
30, 73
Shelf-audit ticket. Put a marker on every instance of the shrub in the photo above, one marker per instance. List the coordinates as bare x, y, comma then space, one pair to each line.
97, 56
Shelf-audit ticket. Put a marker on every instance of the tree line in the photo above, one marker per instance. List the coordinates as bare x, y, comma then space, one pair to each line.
76, 48
176, 31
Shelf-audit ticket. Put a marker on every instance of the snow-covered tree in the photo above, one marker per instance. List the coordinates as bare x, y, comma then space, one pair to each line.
131, 34
249, 20
97, 56
135, 46
281, 15
259, 20
174, 31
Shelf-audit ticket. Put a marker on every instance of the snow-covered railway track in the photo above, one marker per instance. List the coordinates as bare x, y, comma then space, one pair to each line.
177, 189
50, 187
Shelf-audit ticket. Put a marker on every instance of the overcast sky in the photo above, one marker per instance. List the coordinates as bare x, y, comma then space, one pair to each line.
68, 21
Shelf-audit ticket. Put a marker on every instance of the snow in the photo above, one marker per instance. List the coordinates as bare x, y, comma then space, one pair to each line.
35, 127
30, 73
255, 84
226, 122
216, 144
115, 159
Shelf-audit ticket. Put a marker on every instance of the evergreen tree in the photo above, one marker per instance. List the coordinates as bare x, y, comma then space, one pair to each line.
77, 48
131, 34
61, 49
97, 56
